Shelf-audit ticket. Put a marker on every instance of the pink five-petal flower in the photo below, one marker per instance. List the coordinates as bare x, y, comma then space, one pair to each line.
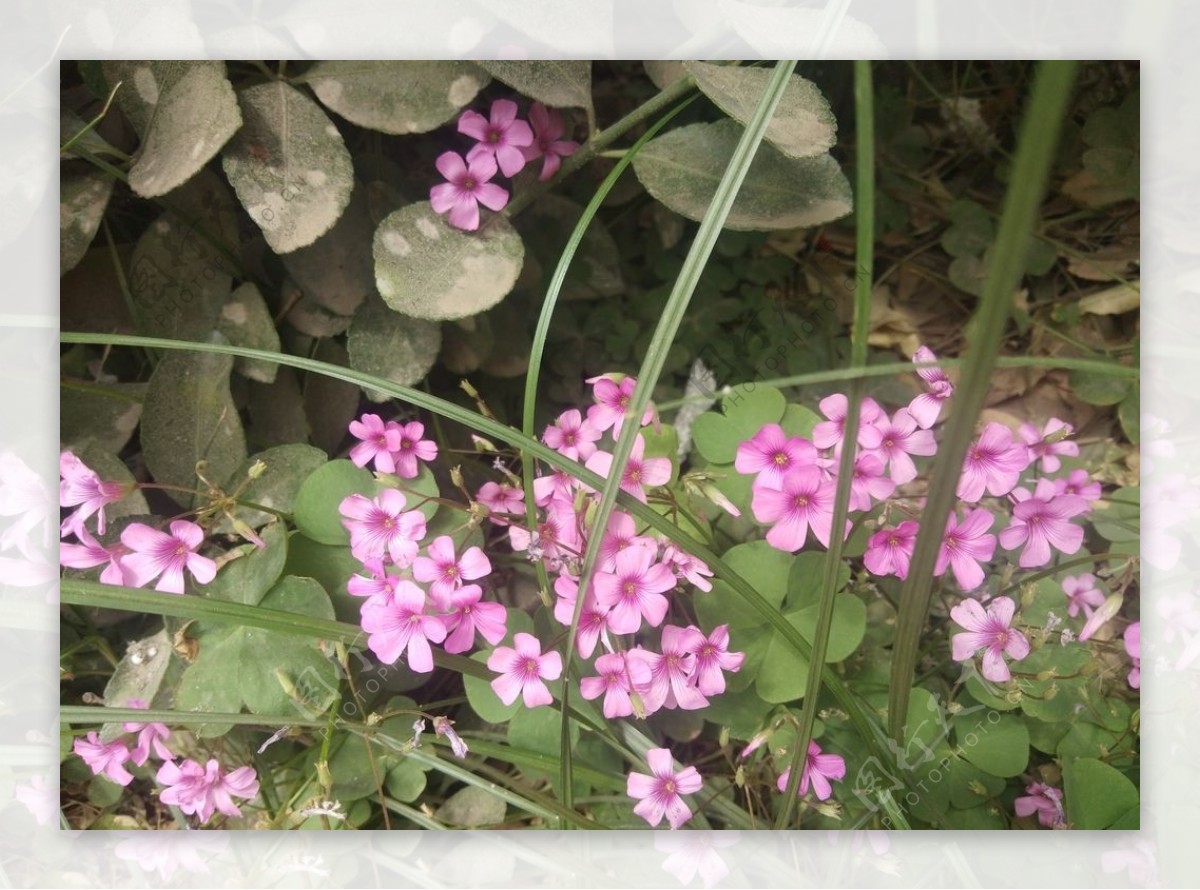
687, 567
90, 553
547, 126
640, 472
202, 790
502, 136
900, 437
620, 535
1133, 648
381, 526
1045, 800
501, 498
1048, 444
593, 618
994, 462
634, 590
992, 632
672, 672
412, 448
468, 615
965, 545
805, 500
659, 794
150, 735
617, 677
869, 484
829, 433
379, 440
771, 453
445, 572
1082, 593
818, 770
1042, 520
465, 189
401, 625
712, 658
612, 401
890, 550
379, 584
107, 758
522, 670
81, 487
1078, 482
154, 553
926, 407
573, 436
558, 485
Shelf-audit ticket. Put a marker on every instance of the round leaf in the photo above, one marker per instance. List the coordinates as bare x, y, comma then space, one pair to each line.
426, 268
391, 346
316, 508
287, 466
289, 166
561, 83
81, 205
683, 167
336, 270
803, 124
246, 321
396, 97
996, 743
1098, 796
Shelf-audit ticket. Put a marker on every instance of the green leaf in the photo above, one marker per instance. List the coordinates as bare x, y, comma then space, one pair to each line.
1100, 389
683, 167
406, 781
783, 674
315, 511
192, 119
189, 416
82, 200
1129, 413
480, 695
969, 785
803, 124
288, 165
245, 320
1118, 517
329, 566
804, 579
472, 807
717, 437
140, 672
558, 83
971, 231
396, 97
104, 415
391, 346
336, 271
248, 577
1096, 796
426, 268
287, 466
999, 746
144, 84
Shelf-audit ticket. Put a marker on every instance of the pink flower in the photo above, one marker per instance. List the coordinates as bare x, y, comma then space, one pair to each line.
659, 795
557, 536
380, 584
672, 672
640, 472
1077, 482
687, 567
712, 658
444, 726
81, 487
1082, 594
1049, 443
399, 625
468, 615
91, 553
771, 453
829, 433
634, 590
889, 550
547, 125
1107, 611
1133, 648
992, 632
201, 790
559, 485
620, 535
965, 545
927, 406
105, 758
412, 448
381, 526
466, 189
805, 499
446, 571
501, 498
1045, 800
818, 769
572, 436
899, 437
154, 553
869, 484
522, 670
994, 461
1043, 519
593, 618
502, 138
378, 442
149, 735
612, 401
618, 676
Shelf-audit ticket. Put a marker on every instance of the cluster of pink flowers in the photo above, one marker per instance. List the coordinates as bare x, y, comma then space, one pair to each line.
142, 554
394, 447
504, 143
195, 789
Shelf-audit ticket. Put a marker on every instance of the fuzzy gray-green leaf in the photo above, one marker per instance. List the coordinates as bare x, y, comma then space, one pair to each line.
81, 207
392, 346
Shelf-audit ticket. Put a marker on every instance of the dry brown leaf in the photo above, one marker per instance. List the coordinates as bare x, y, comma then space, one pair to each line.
1112, 301
1105, 264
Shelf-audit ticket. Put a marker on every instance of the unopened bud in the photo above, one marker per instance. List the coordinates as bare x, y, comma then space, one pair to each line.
256, 469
